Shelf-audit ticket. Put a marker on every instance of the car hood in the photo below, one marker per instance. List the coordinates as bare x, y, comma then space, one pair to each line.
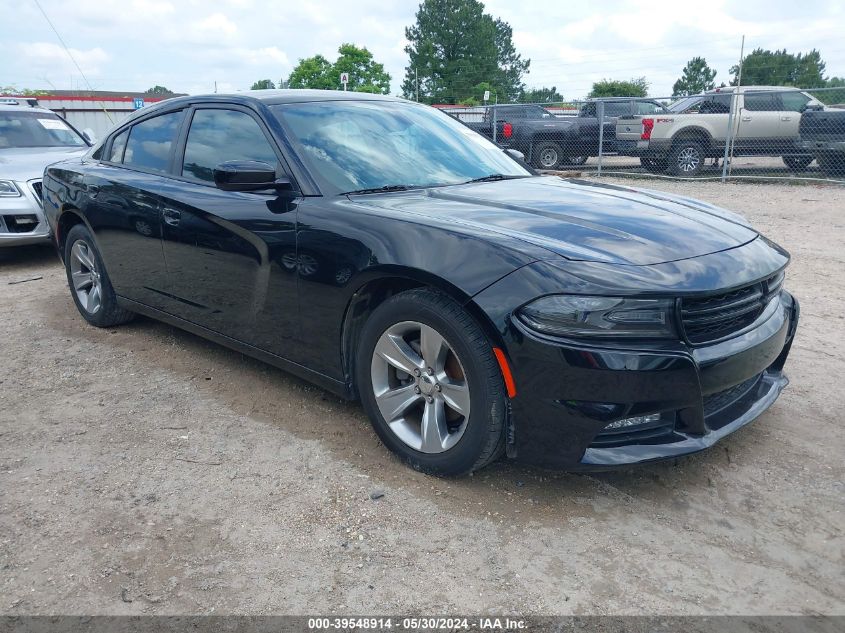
579, 220
26, 163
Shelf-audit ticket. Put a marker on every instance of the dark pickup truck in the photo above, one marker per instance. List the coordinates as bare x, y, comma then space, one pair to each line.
549, 141
822, 134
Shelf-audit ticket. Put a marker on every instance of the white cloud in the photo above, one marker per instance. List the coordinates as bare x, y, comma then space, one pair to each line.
45, 57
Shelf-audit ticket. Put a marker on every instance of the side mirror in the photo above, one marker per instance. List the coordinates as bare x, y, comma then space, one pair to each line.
88, 135
514, 153
813, 107
248, 175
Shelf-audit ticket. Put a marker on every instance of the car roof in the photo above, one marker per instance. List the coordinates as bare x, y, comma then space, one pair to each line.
12, 104
274, 97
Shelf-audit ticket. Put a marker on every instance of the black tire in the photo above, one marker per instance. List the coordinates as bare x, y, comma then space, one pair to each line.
547, 155
108, 313
654, 165
797, 163
483, 436
686, 158
832, 165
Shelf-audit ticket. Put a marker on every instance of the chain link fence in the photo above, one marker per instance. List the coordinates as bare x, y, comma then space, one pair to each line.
728, 133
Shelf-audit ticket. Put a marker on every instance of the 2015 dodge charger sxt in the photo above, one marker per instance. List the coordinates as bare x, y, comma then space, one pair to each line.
385, 251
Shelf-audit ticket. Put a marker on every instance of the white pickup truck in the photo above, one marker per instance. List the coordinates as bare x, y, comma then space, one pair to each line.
765, 123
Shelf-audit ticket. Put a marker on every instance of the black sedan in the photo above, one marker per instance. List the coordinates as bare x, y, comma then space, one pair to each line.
386, 252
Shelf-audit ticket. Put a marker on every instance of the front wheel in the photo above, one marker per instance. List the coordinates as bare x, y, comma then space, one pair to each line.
430, 383
686, 158
89, 282
797, 163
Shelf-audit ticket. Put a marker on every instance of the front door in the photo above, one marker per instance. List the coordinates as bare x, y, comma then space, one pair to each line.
226, 251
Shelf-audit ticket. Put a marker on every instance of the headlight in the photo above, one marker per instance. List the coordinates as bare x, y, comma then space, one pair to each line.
574, 315
8, 189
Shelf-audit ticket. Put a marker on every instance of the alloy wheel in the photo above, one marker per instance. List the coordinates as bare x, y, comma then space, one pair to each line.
689, 159
548, 157
85, 276
420, 387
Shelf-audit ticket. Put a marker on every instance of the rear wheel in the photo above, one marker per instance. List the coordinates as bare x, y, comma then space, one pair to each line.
686, 158
89, 282
431, 385
547, 155
797, 163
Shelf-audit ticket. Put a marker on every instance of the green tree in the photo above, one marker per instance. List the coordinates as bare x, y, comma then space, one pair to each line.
542, 95
21, 92
313, 72
157, 90
618, 88
453, 47
780, 68
263, 84
696, 78
832, 96
365, 74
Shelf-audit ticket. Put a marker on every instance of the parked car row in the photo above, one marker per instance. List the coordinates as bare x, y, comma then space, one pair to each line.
676, 139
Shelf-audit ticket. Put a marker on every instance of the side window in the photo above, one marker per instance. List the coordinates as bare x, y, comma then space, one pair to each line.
220, 135
617, 108
716, 104
588, 109
648, 107
761, 101
151, 141
118, 145
794, 101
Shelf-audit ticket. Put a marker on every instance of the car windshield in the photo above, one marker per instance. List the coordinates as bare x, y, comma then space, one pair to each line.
36, 129
354, 145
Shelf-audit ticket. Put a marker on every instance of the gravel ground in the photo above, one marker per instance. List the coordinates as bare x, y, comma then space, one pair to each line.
145, 470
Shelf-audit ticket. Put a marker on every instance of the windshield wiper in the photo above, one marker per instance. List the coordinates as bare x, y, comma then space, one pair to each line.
492, 178
383, 189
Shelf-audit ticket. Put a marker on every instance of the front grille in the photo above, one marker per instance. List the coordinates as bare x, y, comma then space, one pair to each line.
715, 402
717, 316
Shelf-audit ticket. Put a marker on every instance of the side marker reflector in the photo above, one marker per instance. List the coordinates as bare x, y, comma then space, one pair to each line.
506, 372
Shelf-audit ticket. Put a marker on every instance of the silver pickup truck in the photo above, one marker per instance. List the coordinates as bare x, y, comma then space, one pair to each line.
765, 123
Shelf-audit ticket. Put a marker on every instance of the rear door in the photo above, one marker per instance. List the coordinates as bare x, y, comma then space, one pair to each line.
231, 256
124, 206
760, 130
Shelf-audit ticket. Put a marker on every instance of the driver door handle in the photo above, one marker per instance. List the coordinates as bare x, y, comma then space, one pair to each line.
746, 118
171, 216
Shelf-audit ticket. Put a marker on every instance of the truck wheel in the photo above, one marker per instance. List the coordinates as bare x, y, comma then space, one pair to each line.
547, 155
686, 158
832, 164
797, 163
654, 165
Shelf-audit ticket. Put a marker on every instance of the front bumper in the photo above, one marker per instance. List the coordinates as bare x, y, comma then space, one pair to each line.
22, 219
568, 394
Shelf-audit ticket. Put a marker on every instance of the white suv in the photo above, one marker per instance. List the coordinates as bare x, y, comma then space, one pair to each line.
30, 139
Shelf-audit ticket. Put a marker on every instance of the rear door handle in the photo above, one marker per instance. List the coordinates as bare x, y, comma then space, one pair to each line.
746, 118
786, 118
171, 216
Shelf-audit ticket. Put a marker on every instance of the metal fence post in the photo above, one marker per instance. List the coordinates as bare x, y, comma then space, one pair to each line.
495, 125
728, 136
600, 115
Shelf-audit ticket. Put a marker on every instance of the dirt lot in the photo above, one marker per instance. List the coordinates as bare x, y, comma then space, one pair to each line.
144, 470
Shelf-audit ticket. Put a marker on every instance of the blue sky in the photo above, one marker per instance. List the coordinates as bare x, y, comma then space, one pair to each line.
187, 45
